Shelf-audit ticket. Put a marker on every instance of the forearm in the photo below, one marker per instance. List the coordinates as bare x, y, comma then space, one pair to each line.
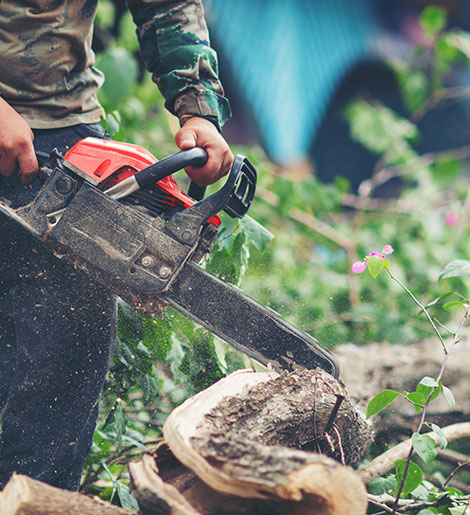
175, 47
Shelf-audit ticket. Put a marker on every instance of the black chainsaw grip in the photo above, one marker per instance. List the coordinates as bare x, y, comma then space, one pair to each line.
195, 191
191, 157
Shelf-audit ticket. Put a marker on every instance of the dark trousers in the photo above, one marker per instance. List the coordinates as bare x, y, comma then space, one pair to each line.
57, 331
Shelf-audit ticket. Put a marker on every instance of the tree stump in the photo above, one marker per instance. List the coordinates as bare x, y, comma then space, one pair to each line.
25, 496
259, 443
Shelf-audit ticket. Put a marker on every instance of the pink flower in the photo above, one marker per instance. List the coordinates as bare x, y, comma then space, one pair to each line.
358, 267
451, 219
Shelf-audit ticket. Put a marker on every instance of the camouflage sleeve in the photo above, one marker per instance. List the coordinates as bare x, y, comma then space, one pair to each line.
174, 42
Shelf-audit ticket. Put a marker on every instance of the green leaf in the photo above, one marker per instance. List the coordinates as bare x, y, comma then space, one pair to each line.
151, 385
424, 446
120, 71
375, 264
459, 39
453, 304
380, 402
200, 362
234, 361
228, 231
116, 423
426, 512
439, 299
126, 498
456, 268
230, 266
380, 130
382, 485
416, 398
414, 476
422, 492
285, 191
449, 397
429, 381
256, 233
414, 87
113, 123
425, 390
129, 323
459, 510
432, 20
440, 435
444, 170
156, 336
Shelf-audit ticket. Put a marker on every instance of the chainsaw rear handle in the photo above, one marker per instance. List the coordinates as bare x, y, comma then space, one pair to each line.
156, 172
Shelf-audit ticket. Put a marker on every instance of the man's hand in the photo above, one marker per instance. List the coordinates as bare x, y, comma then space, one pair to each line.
198, 132
16, 145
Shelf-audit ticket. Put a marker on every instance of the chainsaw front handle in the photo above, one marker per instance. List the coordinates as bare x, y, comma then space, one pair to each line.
191, 157
157, 171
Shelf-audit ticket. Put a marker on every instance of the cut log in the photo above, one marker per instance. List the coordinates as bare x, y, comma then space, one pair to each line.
25, 496
249, 438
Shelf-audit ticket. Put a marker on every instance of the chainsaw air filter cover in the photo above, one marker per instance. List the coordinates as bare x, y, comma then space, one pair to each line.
107, 163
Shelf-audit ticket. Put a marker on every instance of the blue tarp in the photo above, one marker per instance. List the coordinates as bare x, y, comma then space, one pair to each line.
288, 56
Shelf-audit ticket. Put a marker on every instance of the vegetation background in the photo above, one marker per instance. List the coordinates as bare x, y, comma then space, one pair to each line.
294, 252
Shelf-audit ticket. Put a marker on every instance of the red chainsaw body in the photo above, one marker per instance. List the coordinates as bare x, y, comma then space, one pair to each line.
110, 162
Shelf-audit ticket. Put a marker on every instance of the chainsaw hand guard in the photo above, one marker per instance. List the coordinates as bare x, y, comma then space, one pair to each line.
234, 198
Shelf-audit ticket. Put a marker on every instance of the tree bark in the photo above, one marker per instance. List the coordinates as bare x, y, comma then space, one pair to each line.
25, 496
245, 445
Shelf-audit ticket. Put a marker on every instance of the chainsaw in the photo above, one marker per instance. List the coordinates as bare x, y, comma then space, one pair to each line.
114, 211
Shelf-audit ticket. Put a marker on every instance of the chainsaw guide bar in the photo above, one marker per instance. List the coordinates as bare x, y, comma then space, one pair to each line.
145, 246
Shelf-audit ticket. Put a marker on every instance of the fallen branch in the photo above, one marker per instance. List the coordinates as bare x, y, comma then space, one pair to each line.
25, 496
386, 461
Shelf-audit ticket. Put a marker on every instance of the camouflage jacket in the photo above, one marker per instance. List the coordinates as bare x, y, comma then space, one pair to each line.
46, 60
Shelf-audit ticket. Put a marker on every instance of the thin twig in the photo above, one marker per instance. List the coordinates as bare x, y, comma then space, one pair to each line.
452, 474
453, 457
340, 444
425, 311
432, 101
442, 326
438, 379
